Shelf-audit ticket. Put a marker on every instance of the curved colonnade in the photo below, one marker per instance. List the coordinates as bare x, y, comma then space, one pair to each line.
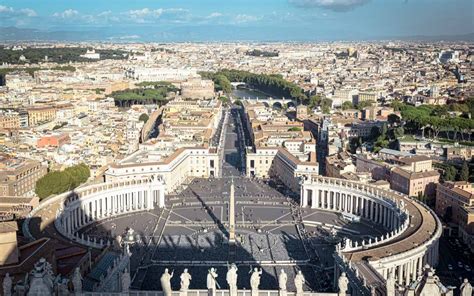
413, 230
410, 243
92, 203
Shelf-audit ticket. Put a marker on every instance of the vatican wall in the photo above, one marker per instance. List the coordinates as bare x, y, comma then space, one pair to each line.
413, 230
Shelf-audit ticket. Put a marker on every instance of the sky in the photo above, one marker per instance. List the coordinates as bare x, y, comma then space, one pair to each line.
257, 20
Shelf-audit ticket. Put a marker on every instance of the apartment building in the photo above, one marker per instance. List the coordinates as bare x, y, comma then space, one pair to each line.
281, 148
414, 183
18, 176
39, 115
9, 120
455, 203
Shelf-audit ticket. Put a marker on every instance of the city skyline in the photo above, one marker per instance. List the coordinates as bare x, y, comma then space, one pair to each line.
210, 20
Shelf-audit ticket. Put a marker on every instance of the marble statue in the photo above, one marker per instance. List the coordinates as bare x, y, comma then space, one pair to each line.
77, 281
299, 283
466, 288
390, 284
185, 280
282, 280
211, 282
343, 284
40, 283
231, 278
62, 287
7, 285
255, 280
166, 282
126, 281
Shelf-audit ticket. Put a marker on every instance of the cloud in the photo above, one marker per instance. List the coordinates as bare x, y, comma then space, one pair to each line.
28, 12
145, 12
214, 15
68, 13
335, 5
10, 11
245, 18
147, 15
5, 9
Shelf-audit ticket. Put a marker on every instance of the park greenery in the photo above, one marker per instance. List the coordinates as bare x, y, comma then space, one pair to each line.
318, 101
273, 84
347, 105
146, 93
57, 182
56, 55
438, 119
294, 129
452, 172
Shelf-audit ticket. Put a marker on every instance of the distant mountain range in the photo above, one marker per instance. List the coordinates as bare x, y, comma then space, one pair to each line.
191, 34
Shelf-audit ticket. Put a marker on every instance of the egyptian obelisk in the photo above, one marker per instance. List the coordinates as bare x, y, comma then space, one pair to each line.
232, 214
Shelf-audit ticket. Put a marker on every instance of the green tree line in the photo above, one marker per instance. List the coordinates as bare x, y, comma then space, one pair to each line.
436, 119
57, 182
57, 55
147, 93
273, 84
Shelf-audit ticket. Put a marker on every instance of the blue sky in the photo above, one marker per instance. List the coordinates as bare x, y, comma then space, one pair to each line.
196, 20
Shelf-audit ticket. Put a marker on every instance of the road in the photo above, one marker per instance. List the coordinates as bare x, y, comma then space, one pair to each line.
452, 252
234, 150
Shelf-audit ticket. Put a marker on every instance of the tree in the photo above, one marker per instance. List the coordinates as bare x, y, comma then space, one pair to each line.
347, 105
374, 132
464, 176
397, 105
144, 117
222, 83
224, 100
57, 182
399, 132
294, 129
450, 173
393, 119
365, 104
314, 101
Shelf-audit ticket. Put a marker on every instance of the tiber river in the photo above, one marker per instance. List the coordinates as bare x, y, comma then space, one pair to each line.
248, 93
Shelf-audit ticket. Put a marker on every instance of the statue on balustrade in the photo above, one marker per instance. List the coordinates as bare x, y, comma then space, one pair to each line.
62, 286
185, 280
466, 288
77, 281
126, 281
166, 282
282, 280
41, 283
299, 283
231, 278
211, 282
343, 284
255, 280
7, 285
